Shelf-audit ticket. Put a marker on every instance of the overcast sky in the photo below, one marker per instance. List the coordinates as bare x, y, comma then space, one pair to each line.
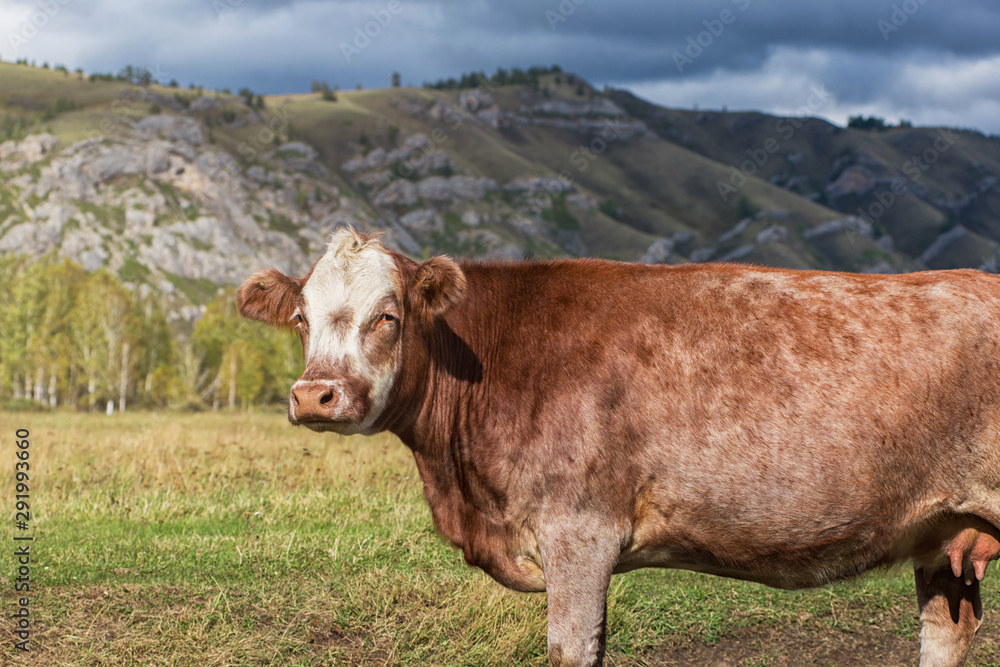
929, 61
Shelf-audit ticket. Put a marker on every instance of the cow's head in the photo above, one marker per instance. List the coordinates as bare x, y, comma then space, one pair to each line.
351, 312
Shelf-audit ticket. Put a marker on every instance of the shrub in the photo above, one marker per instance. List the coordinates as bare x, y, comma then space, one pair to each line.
866, 123
25, 405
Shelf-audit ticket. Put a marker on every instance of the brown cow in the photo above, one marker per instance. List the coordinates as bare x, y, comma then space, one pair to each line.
572, 419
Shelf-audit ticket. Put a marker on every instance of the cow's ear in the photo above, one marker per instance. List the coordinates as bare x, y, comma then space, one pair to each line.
437, 285
269, 296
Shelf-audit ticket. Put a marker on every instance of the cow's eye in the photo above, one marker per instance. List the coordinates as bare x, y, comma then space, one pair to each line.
297, 319
385, 318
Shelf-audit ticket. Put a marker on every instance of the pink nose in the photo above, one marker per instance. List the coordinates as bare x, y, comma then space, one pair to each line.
314, 401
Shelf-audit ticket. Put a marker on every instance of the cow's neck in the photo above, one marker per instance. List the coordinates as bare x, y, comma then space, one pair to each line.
444, 376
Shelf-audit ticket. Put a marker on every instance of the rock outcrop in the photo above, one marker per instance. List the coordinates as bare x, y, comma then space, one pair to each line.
159, 196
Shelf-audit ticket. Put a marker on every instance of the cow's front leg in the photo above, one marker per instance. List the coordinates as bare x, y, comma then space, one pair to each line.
578, 562
950, 613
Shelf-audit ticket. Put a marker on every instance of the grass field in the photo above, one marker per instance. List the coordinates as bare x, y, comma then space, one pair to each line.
233, 539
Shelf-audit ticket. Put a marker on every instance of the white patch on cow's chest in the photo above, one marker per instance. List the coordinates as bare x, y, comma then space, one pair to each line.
341, 297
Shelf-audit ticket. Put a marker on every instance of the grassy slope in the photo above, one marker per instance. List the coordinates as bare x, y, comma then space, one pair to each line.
223, 539
27, 91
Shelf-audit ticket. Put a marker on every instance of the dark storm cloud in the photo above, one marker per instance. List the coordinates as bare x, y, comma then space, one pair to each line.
658, 31
869, 54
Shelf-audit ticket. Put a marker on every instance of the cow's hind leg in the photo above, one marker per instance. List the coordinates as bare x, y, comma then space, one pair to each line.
950, 613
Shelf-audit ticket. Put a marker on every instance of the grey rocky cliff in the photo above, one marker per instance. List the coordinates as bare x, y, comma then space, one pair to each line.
160, 197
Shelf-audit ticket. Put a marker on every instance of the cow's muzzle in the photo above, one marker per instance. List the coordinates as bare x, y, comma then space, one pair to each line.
323, 405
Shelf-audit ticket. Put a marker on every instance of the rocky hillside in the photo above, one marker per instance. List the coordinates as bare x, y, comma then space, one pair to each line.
164, 210
931, 193
182, 193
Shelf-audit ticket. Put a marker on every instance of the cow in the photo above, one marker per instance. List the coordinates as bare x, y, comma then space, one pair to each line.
576, 418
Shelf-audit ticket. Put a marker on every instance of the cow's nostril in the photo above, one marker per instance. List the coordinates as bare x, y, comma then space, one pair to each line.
295, 399
326, 397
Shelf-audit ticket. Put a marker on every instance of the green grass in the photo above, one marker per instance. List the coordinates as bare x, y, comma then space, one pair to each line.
132, 271
72, 108
280, 223
106, 216
559, 213
232, 539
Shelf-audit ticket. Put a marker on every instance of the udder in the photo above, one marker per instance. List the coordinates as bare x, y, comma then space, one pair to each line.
966, 550
970, 552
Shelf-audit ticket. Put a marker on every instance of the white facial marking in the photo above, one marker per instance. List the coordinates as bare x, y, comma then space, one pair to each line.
351, 278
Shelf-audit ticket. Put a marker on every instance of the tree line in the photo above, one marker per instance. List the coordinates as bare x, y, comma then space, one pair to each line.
874, 123
83, 341
501, 77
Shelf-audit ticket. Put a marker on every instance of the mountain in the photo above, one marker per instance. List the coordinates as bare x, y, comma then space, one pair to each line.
180, 192
932, 191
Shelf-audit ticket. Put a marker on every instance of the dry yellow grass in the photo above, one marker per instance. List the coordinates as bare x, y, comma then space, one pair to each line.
235, 539
225, 539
